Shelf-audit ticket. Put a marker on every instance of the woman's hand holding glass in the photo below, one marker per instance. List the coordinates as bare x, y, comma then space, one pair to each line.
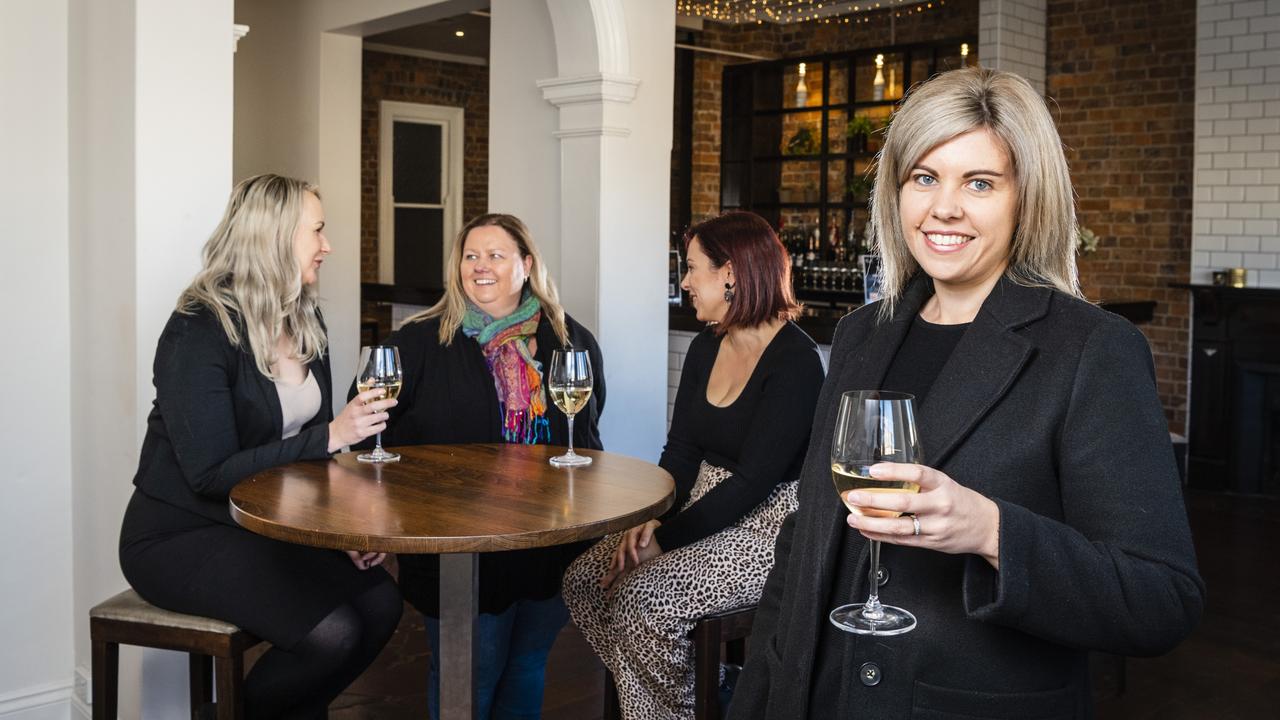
637, 546
952, 518
366, 415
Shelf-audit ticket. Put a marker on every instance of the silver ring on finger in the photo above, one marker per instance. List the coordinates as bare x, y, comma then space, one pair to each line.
915, 522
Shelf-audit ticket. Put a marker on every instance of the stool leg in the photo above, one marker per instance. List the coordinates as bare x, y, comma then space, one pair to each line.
706, 671
230, 672
200, 680
106, 676
612, 709
735, 651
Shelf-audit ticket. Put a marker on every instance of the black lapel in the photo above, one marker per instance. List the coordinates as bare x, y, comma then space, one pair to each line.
982, 368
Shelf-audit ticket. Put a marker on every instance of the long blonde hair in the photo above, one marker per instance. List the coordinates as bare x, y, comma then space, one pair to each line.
1042, 252
453, 306
250, 277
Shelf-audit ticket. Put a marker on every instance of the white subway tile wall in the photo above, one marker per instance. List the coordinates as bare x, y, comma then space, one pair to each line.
1237, 165
1011, 37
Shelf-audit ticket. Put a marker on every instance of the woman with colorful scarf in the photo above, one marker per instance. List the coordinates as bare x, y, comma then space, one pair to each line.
475, 368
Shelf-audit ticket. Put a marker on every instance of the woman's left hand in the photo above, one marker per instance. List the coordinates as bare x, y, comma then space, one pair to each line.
637, 546
366, 561
952, 518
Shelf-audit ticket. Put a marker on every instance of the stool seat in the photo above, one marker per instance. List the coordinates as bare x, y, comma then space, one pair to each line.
127, 619
128, 606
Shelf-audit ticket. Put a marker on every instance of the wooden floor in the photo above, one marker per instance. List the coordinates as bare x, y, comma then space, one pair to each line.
1228, 669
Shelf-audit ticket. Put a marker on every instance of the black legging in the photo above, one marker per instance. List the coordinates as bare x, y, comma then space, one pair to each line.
301, 682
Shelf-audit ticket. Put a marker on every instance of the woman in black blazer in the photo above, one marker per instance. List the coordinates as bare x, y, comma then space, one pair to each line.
242, 384
1049, 520
475, 368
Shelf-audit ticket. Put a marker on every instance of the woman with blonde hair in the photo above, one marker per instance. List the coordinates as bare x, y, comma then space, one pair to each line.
1049, 520
243, 384
475, 367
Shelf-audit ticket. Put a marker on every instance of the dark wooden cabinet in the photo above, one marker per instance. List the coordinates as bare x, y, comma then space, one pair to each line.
1234, 434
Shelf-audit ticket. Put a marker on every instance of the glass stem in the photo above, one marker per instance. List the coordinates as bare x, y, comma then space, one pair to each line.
570, 435
873, 610
377, 448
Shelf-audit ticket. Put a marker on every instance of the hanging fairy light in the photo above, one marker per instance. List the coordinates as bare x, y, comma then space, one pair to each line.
964, 54
783, 12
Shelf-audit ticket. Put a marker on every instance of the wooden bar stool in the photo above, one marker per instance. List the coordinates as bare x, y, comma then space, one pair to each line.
128, 619
729, 628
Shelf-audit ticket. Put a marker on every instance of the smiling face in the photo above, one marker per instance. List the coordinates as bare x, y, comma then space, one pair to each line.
310, 246
493, 271
705, 283
959, 208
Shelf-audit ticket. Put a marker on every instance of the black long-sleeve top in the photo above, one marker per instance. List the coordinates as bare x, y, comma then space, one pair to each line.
761, 437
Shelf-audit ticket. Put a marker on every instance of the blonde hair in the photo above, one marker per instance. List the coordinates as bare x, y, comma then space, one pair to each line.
1042, 252
250, 276
453, 306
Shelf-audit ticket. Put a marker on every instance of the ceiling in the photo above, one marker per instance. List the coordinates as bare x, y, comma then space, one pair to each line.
440, 36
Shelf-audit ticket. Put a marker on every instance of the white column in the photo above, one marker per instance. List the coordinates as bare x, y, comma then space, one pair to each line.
610, 92
1011, 36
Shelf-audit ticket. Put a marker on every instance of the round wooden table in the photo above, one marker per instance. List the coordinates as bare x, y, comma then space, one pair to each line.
455, 501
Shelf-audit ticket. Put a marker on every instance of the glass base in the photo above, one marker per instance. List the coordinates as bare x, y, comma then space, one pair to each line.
570, 459
892, 620
379, 456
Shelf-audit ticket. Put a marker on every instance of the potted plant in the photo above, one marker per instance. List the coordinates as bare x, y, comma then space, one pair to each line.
860, 188
804, 141
859, 131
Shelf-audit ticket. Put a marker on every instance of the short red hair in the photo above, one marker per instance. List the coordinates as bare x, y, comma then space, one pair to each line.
761, 267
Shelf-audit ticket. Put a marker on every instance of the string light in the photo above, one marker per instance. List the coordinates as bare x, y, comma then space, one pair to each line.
785, 12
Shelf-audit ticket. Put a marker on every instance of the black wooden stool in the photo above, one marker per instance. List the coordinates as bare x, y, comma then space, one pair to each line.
128, 619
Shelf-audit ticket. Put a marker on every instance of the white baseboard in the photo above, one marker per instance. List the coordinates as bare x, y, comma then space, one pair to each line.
51, 701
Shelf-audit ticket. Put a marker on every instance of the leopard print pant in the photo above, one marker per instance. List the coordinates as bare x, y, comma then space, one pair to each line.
641, 630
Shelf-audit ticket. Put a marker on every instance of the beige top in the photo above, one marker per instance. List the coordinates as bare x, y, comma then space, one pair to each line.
299, 403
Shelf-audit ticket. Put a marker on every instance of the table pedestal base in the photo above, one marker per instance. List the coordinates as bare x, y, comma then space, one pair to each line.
459, 581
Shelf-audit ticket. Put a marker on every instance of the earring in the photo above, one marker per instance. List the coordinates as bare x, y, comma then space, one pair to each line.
728, 292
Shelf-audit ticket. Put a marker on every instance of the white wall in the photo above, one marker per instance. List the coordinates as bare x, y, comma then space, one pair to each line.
524, 155
35, 526
297, 112
1236, 213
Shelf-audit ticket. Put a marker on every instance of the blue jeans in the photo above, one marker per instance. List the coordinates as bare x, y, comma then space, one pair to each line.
510, 662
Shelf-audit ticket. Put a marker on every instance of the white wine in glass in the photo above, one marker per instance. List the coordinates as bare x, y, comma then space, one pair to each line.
873, 426
380, 370
570, 383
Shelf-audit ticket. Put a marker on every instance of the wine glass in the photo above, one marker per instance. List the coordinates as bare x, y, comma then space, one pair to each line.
873, 426
570, 383
380, 369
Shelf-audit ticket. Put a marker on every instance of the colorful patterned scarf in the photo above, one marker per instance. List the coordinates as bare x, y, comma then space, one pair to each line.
516, 374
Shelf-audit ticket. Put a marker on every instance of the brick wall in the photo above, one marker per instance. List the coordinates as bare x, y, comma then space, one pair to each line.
402, 78
1237, 202
1122, 75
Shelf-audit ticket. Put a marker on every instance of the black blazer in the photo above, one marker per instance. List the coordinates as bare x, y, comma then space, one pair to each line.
448, 396
1048, 406
216, 420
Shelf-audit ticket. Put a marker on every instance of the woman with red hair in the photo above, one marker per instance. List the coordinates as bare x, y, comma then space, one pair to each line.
738, 436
